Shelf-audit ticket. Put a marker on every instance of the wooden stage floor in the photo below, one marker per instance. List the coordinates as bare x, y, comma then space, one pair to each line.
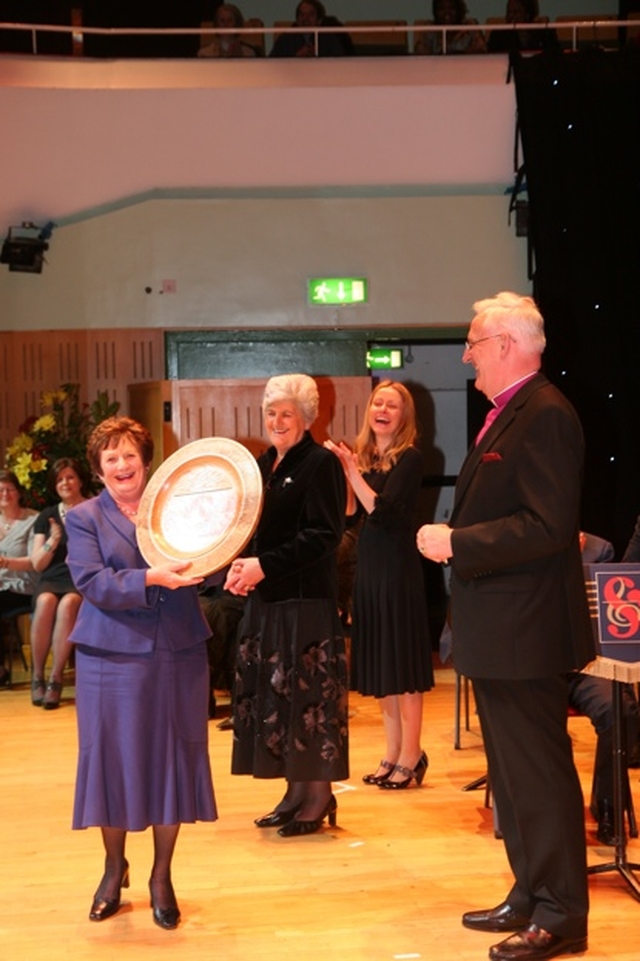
389, 882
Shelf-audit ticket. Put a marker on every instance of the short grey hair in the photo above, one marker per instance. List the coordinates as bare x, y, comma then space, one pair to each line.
516, 315
301, 389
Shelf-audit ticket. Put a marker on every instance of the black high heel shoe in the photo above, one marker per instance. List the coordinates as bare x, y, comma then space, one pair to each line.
38, 689
379, 778
296, 827
167, 918
416, 775
103, 908
276, 819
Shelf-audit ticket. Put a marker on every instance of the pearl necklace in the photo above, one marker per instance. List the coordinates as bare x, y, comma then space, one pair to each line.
127, 511
63, 510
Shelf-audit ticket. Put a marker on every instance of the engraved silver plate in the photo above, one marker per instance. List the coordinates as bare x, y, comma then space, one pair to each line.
202, 505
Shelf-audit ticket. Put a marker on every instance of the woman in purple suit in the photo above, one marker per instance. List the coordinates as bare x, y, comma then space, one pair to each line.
141, 678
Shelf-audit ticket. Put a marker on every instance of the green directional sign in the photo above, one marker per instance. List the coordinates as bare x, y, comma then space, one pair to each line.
329, 291
384, 358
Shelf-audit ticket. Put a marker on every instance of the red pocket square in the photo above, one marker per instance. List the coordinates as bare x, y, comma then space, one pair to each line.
490, 456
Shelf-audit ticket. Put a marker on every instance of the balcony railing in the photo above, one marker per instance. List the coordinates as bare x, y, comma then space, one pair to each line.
572, 34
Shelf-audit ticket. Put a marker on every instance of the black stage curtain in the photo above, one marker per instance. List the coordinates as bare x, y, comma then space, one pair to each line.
579, 117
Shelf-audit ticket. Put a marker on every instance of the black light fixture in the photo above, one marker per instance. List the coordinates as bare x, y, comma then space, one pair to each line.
24, 247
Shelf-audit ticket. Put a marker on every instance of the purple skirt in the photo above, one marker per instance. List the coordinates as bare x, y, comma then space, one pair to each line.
143, 736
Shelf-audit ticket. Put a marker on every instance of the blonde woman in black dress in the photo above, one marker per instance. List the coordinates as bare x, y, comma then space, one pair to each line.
391, 653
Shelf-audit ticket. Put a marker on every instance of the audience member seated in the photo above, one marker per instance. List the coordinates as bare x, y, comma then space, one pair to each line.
520, 38
311, 13
17, 578
447, 13
632, 551
223, 612
227, 17
55, 599
593, 697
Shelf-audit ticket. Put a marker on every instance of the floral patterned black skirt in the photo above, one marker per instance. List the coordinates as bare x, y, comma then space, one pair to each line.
290, 698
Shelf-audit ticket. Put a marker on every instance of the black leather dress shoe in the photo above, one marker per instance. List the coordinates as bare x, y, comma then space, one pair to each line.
535, 944
501, 918
605, 833
103, 908
276, 819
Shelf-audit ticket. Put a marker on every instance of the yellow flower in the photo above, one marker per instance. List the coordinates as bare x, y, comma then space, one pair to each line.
22, 467
44, 424
23, 442
50, 398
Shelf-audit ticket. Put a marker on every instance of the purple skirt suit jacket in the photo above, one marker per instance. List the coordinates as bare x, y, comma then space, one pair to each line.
119, 613
142, 683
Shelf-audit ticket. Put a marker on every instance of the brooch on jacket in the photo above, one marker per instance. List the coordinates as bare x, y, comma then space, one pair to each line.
287, 481
490, 456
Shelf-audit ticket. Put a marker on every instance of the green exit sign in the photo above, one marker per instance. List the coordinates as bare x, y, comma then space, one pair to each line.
329, 291
383, 358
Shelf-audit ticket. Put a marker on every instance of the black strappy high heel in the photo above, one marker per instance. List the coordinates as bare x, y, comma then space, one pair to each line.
416, 775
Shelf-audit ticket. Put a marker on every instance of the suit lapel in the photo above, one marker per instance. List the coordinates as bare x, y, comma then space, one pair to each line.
116, 518
501, 424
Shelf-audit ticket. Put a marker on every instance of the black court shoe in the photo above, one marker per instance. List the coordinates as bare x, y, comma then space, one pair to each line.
295, 827
103, 908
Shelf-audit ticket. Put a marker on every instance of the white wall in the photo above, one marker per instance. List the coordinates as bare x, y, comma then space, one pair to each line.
244, 262
240, 181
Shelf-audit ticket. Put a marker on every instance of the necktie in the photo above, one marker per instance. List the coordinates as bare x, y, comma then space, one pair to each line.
488, 421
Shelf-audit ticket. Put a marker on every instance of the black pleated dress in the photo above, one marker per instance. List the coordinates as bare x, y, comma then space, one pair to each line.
391, 650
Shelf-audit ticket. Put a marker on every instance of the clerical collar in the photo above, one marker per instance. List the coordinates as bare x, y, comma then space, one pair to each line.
504, 396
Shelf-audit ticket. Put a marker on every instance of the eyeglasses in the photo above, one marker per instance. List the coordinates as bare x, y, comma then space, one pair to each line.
470, 344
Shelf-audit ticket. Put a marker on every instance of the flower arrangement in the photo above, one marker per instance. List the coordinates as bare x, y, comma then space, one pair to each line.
62, 430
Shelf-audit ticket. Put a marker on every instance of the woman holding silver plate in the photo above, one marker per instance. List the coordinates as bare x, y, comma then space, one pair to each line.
141, 678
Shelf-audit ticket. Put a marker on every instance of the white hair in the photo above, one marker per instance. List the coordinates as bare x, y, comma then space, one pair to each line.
516, 315
301, 389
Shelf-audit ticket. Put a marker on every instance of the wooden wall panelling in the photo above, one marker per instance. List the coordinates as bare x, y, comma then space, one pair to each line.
220, 408
43, 360
117, 358
34, 362
342, 404
233, 408
6, 387
147, 404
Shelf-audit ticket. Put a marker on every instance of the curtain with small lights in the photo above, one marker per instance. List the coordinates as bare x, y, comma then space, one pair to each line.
579, 118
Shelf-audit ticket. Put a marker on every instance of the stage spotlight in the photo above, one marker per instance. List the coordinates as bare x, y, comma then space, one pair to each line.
24, 248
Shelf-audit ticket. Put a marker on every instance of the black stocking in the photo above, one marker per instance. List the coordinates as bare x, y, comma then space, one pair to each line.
164, 842
316, 798
114, 863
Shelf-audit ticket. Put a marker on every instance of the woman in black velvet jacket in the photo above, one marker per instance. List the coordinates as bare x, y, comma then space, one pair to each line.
290, 698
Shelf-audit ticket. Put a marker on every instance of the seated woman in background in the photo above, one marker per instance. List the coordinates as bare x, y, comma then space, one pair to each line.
228, 17
446, 13
509, 41
55, 599
311, 13
17, 578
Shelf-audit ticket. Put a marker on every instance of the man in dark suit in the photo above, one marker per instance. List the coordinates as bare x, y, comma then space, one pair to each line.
520, 623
